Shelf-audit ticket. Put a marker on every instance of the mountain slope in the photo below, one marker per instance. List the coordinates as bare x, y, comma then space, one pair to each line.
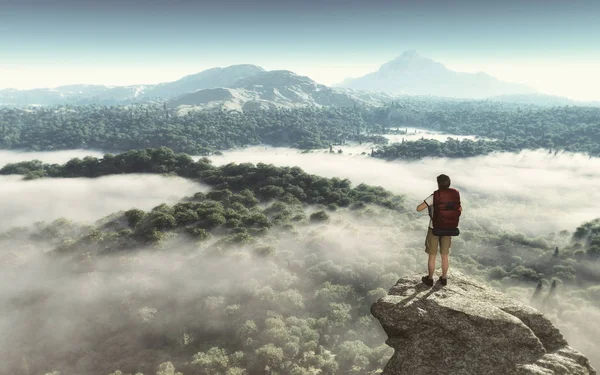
414, 74
211, 78
274, 89
98, 94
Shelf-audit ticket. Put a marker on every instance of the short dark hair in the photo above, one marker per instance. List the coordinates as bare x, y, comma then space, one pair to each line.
443, 181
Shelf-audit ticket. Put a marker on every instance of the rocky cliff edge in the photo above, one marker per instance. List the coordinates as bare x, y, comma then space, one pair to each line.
466, 328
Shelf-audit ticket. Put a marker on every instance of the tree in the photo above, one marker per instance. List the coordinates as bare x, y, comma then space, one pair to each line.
214, 362
319, 216
270, 356
167, 368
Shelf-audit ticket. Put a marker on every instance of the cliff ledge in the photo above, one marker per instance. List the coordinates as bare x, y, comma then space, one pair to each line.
466, 328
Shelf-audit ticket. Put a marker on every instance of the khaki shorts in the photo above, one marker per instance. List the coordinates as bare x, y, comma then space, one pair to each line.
431, 243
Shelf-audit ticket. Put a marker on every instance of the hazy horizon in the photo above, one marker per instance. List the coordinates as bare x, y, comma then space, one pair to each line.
543, 44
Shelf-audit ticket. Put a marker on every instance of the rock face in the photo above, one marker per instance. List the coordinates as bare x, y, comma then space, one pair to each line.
465, 328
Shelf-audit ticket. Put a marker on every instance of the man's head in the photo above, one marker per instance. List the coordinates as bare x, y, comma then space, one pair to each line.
443, 181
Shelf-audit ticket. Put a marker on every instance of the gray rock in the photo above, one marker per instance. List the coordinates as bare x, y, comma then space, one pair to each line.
466, 328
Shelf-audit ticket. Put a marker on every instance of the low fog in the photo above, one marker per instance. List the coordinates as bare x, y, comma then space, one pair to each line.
532, 192
51, 313
413, 134
26, 202
50, 157
122, 308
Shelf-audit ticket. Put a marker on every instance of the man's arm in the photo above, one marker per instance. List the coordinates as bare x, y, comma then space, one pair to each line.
421, 207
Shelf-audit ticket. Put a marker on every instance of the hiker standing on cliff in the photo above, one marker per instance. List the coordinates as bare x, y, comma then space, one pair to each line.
444, 209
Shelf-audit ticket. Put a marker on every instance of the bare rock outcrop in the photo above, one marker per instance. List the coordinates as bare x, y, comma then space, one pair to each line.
466, 328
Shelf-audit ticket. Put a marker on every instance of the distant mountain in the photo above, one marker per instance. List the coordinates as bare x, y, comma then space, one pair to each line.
249, 86
414, 74
211, 78
266, 90
47, 96
72, 94
98, 94
235, 87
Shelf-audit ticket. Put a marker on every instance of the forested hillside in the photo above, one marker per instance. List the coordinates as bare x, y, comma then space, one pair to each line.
272, 269
574, 129
198, 133
115, 129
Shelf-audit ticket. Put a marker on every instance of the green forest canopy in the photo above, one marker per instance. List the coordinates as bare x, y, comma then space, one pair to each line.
511, 127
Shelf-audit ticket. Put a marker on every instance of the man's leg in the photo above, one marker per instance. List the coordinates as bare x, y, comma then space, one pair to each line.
431, 264
445, 264
445, 243
431, 246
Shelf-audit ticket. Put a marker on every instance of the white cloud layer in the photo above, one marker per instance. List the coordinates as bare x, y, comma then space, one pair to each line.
531, 192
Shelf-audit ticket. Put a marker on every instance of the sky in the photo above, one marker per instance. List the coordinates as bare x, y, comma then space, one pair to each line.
548, 44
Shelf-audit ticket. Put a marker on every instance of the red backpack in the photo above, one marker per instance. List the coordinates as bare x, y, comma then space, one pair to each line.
446, 212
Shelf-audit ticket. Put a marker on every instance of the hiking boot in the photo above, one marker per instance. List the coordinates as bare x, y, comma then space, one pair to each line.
427, 280
443, 280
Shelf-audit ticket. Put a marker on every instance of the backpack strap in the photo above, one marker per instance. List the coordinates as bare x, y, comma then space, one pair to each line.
430, 208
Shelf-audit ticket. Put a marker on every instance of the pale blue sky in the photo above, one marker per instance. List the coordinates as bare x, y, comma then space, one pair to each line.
548, 44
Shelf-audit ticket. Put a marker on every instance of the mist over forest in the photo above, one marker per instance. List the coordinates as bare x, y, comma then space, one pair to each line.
165, 263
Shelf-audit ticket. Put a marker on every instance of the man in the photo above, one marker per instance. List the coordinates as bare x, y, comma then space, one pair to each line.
444, 210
